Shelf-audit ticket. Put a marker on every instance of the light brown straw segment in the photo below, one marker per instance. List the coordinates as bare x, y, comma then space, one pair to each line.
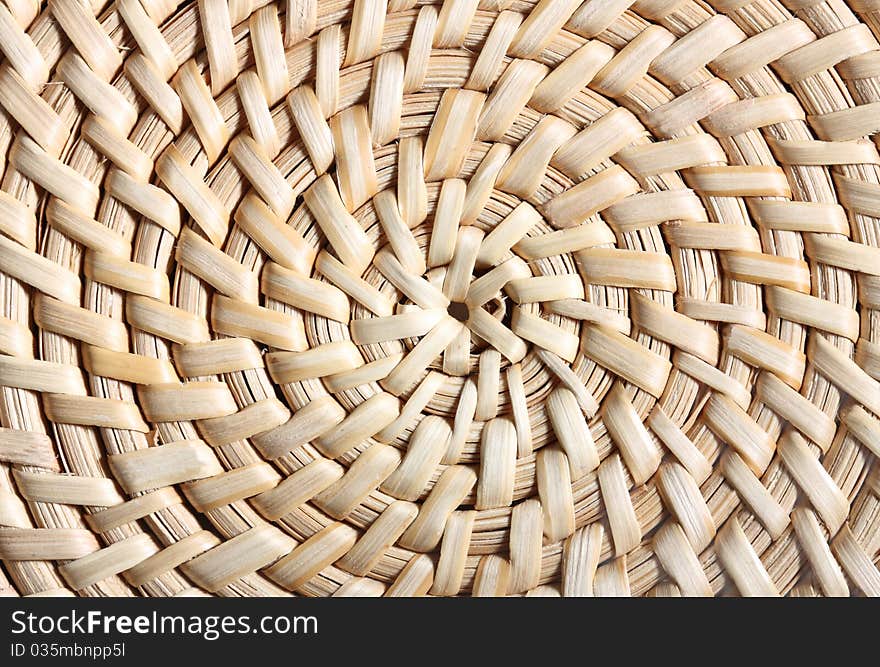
364, 298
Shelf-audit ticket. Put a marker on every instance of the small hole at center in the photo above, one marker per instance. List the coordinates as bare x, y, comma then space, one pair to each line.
459, 311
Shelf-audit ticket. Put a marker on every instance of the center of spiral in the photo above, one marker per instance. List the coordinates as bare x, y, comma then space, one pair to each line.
458, 310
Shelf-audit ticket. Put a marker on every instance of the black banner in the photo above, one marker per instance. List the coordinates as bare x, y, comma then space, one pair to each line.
430, 630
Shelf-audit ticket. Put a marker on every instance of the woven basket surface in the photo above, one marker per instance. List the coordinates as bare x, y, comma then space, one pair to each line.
479, 297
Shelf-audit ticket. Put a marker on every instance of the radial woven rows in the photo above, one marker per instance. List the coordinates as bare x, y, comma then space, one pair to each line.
389, 298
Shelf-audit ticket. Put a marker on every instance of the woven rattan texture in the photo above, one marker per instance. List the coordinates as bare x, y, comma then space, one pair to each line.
477, 297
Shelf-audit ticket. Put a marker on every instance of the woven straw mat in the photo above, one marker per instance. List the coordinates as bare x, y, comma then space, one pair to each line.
490, 297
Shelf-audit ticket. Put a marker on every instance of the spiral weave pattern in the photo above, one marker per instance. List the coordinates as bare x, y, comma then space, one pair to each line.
489, 297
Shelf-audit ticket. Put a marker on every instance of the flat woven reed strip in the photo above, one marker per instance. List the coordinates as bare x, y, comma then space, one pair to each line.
477, 297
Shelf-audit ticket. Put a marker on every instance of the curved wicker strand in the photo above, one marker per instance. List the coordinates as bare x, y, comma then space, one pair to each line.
366, 298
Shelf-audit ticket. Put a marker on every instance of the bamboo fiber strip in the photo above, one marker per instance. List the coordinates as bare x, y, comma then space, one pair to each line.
369, 298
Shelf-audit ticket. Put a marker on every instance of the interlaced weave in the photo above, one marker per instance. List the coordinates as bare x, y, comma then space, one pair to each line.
477, 297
